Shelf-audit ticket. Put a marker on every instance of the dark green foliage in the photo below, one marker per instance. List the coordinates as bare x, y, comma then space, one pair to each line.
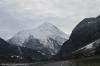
89, 61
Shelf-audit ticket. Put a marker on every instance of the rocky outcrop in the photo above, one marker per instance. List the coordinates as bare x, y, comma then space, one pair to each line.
87, 31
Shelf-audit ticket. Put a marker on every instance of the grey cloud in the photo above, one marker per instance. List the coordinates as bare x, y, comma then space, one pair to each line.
16, 15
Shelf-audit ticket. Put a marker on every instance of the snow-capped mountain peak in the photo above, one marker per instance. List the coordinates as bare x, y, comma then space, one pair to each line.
46, 33
46, 24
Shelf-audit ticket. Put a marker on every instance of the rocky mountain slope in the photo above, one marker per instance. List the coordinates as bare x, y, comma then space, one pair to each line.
46, 38
8, 50
87, 31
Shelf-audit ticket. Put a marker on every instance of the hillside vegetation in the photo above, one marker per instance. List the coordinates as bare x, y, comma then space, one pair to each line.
89, 61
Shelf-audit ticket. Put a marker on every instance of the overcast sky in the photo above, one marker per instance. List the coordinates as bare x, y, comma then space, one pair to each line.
16, 15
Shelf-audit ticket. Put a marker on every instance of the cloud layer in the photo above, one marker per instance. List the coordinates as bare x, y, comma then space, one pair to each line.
16, 15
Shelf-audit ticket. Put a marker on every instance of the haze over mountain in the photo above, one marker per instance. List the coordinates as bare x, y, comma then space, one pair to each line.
46, 38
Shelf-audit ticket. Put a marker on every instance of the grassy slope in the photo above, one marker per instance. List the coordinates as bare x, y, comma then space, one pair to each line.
90, 61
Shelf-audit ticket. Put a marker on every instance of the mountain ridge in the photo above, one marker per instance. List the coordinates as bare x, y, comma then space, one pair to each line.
47, 34
10, 51
87, 31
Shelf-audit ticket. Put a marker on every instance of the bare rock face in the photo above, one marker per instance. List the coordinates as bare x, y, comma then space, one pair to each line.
87, 31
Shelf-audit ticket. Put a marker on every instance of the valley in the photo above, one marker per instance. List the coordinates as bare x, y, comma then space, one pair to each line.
46, 45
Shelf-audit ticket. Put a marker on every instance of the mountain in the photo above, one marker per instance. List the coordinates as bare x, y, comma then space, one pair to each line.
86, 51
97, 47
91, 49
86, 32
8, 50
46, 38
